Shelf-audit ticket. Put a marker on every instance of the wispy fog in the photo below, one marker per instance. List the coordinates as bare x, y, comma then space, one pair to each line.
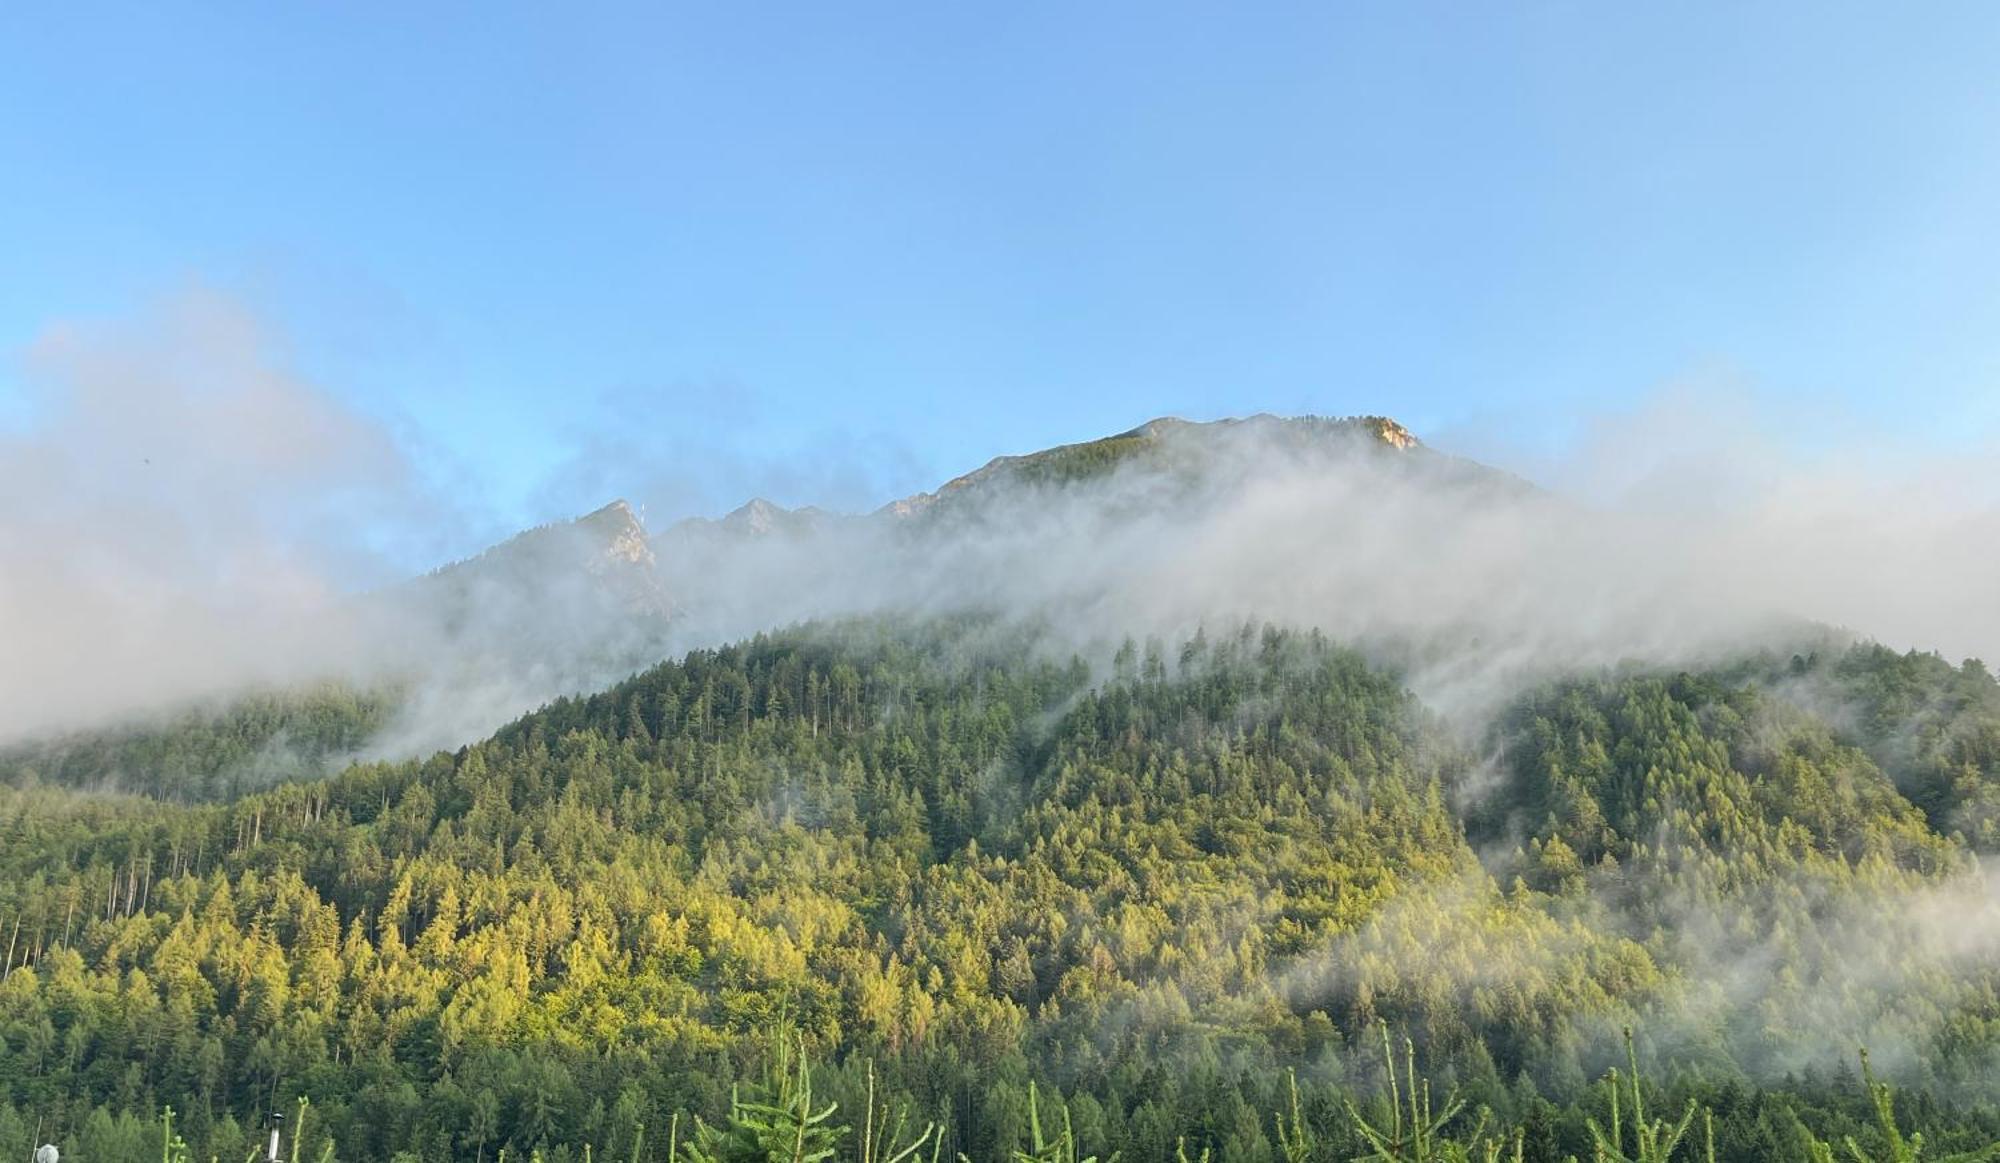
1468, 575
181, 515
184, 516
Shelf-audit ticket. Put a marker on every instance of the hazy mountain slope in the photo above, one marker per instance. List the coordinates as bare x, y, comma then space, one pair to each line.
754, 518
1198, 456
599, 567
443, 658
209, 752
1472, 579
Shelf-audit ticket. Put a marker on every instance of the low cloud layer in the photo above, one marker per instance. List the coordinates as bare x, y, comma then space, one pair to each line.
187, 516
183, 515
1472, 578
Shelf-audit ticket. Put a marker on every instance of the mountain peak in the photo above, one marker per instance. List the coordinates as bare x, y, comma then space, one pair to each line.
624, 536
754, 519
1382, 428
757, 515
1178, 439
1391, 433
615, 521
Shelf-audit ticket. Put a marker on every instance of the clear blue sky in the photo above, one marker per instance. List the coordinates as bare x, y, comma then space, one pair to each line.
836, 252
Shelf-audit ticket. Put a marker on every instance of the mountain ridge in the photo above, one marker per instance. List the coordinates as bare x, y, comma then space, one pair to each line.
1164, 442
1068, 463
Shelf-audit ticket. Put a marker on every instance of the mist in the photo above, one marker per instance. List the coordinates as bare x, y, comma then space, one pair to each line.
191, 519
188, 517
1472, 579
182, 516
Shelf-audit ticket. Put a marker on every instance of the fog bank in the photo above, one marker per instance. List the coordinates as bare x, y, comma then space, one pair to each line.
187, 517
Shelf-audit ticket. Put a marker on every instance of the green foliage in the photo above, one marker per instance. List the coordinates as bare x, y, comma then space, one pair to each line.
1295, 1138
779, 1121
1652, 1141
1413, 1131
1893, 1146
1177, 892
173, 1149
211, 752
1053, 1148
882, 1132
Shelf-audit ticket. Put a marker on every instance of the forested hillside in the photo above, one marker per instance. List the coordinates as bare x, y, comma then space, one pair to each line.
950, 857
213, 752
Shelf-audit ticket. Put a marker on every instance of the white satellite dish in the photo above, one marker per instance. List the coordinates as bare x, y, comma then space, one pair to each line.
47, 1153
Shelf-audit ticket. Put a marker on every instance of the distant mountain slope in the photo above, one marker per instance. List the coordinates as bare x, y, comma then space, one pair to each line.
753, 520
602, 576
603, 559
1351, 524
212, 751
557, 609
1198, 454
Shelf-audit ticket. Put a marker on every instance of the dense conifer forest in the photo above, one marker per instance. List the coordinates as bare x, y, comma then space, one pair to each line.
939, 887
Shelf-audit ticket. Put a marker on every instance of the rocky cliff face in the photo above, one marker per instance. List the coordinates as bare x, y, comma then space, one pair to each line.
603, 560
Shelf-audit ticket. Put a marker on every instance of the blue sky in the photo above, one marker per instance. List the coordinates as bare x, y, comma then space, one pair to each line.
835, 253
